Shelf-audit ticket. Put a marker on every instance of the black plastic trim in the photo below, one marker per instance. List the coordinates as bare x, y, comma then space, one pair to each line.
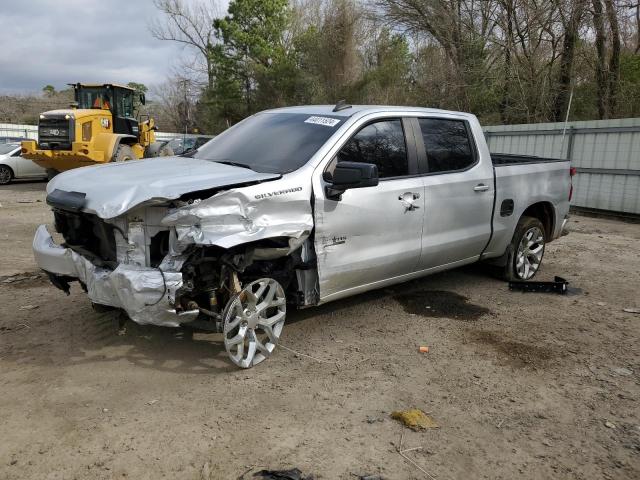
72, 201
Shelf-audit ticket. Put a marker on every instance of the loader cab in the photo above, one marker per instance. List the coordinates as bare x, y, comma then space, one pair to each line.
118, 99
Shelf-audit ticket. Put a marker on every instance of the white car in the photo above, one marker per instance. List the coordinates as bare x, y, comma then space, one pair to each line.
12, 165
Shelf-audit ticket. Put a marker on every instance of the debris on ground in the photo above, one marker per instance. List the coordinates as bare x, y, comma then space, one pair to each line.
19, 326
424, 349
631, 310
559, 285
609, 424
153, 402
293, 474
415, 419
370, 477
20, 277
624, 372
29, 307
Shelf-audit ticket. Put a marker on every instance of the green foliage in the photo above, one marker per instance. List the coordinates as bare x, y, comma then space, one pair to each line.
273, 53
138, 87
49, 90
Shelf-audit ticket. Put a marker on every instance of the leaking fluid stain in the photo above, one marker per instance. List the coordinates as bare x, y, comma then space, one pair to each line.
440, 304
517, 354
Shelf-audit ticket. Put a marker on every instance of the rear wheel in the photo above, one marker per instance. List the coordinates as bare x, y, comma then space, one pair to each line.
526, 250
124, 154
253, 321
6, 175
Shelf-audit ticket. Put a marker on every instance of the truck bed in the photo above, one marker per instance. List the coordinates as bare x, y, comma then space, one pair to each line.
503, 159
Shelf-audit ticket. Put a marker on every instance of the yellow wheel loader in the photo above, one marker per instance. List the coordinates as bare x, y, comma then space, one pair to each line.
100, 127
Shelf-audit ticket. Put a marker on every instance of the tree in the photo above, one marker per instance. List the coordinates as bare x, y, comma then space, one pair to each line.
49, 90
571, 14
190, 24
138, 87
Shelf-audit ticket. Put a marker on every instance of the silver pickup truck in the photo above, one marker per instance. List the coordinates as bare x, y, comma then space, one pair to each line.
298, 206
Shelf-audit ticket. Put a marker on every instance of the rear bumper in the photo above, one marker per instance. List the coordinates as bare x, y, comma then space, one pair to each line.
146, 294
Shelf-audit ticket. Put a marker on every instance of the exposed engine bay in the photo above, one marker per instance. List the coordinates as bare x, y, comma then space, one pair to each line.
227, 259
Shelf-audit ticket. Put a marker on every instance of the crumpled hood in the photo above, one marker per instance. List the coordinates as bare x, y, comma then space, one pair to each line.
115, 188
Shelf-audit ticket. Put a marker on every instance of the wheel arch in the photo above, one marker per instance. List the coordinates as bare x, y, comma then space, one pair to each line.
544, 212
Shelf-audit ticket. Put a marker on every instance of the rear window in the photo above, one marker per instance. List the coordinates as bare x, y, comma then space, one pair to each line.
272, 142
447, 144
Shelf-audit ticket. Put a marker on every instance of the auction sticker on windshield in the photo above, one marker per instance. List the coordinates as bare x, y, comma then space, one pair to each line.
326, 121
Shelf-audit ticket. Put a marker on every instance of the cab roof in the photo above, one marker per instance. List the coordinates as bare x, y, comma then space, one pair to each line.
101, 85
351, 110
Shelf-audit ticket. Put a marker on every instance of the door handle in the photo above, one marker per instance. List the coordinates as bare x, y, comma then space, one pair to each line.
407, 199
408, 195
481, 187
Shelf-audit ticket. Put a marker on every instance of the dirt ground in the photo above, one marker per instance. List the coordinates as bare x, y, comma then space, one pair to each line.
533, 386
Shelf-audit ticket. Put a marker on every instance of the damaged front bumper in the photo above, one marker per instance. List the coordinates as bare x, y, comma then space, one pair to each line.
147, 295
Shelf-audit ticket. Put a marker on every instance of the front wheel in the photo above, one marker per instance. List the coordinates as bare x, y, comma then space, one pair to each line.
253, 321
526, 250
6, 174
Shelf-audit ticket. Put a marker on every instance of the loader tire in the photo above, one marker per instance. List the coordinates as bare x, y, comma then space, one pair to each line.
124, 154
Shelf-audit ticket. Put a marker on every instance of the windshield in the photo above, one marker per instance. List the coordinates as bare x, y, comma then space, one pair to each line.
7, 148
94, 98
271, 142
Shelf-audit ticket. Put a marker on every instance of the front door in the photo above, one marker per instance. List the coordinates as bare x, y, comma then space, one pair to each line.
373, 234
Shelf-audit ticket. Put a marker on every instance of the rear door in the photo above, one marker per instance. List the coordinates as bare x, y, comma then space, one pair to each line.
459, 192
373, 234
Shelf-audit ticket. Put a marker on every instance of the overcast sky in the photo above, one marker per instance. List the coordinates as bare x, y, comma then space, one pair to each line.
62, 41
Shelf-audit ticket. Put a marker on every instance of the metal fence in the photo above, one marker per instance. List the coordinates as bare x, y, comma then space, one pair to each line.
16, 131
606, 154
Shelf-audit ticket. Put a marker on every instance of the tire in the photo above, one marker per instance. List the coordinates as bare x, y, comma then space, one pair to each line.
526, 250
124, 154
166, 151
51, 173
252, 322
158, 149
6, 175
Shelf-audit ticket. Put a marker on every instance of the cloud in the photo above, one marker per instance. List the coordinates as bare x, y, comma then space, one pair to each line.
63, 41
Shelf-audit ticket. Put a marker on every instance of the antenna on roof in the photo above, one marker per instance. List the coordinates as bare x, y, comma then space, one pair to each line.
341, 105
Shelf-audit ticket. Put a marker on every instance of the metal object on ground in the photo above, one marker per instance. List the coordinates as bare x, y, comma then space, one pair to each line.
559, 285
253, 322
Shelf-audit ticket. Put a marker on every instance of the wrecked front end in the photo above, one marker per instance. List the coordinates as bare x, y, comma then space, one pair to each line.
183, 260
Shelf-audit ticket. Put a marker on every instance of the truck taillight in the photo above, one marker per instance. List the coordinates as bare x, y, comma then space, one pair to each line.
572, 172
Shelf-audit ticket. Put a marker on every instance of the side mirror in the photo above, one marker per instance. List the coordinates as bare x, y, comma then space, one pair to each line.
348, 175
142, 99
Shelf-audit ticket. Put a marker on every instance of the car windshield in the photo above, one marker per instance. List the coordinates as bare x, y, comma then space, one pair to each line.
7, 148
271, 142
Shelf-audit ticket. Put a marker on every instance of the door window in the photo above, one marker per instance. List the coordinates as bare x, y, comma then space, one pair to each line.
124, 102
447, 144
381, 143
